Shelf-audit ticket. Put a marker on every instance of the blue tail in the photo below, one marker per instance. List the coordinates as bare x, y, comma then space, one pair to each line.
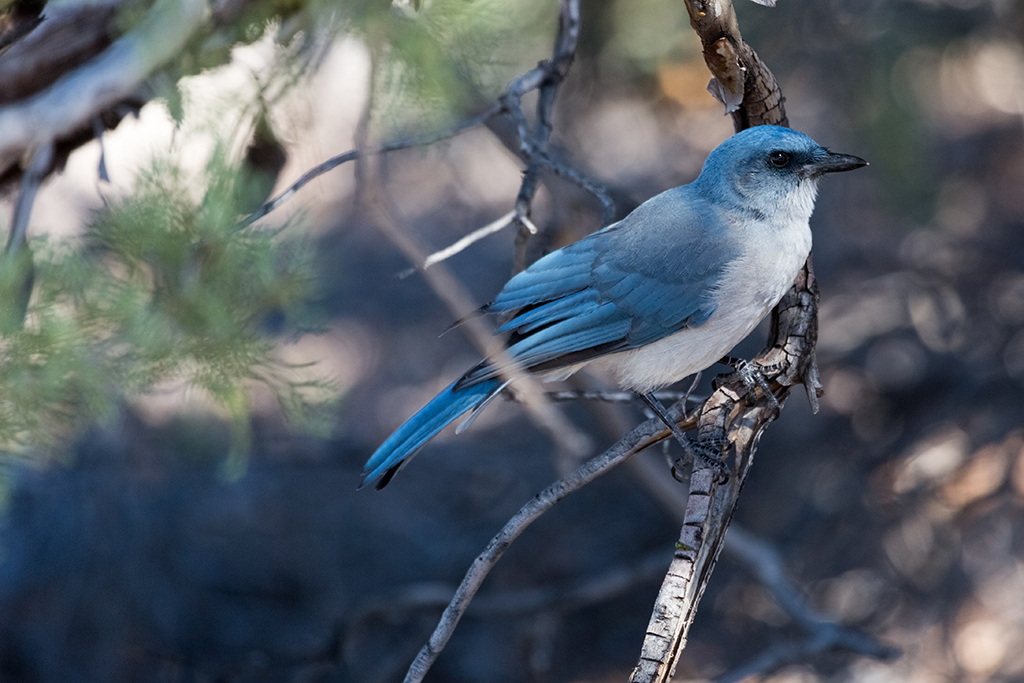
442, 410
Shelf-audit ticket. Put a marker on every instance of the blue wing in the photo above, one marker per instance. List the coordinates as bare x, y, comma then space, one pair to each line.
642, 279
652, 274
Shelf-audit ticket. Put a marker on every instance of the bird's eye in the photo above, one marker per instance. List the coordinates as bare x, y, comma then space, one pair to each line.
779, 159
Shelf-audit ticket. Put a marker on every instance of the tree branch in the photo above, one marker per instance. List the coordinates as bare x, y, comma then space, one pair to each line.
739, 79
353, 155
737, 419
72, 102
563, 55
551, 420
38, 166
766, 564
646, 434
546, 77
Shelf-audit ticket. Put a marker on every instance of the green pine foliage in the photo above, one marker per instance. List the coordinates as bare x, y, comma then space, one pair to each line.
165, 287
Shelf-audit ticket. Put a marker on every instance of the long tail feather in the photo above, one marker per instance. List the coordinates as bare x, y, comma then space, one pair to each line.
442, 410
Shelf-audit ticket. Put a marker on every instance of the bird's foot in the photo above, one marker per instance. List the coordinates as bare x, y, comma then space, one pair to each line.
752, 376
705, 451
710, 452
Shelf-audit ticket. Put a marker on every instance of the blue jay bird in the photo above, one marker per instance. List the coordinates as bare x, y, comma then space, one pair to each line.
660, 295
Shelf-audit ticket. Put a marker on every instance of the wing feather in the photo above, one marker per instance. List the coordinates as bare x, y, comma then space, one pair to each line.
654, 273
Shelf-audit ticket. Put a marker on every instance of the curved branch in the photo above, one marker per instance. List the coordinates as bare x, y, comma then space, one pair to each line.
355, 154
73, 101
739, 79
646, 434
751, 94
737, 419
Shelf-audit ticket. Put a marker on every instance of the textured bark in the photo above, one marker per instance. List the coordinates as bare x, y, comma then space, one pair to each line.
732, 415
740, 80
61, 41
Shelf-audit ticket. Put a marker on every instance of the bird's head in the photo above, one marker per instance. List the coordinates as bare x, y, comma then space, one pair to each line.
770, 166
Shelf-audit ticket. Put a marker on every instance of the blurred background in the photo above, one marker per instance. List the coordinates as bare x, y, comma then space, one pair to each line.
130, 551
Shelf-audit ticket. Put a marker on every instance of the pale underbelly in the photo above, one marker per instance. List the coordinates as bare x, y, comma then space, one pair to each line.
746, 301
677, 356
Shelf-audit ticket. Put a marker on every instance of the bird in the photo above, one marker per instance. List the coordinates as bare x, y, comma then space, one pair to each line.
655, 297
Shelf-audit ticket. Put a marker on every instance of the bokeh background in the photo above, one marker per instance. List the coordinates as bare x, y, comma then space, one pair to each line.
129, 555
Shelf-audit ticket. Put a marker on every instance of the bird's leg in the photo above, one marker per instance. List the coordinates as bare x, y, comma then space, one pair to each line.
675, 464
693, 449
752, 376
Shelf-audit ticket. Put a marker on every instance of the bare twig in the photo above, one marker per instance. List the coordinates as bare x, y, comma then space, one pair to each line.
530, 152
546, 77
38, 166
738, 420
353, 155
460, 245
72, 102
562, 57
448, 289
765, 562
641, 437
617, 396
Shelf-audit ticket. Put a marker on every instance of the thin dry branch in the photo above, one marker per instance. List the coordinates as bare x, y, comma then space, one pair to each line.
529, 151
545, 77
527, 147
551, 420
563, 55
766, 564
750, 93
646, 434
355, 154
461, 244
737, 420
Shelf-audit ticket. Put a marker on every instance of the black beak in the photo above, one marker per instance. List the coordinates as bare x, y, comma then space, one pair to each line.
832, 163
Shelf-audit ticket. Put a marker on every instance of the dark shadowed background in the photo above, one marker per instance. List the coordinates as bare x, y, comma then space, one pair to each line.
897, 508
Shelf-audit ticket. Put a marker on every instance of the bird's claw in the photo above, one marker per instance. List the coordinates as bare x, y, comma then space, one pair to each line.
710, 452
752, 376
